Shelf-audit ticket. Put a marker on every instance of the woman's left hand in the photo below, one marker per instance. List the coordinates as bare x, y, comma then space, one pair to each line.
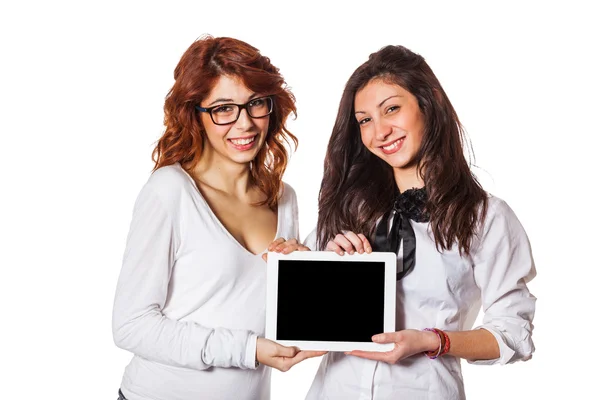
407, 342
285, 247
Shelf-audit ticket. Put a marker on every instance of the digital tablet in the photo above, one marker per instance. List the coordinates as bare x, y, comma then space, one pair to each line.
319, 300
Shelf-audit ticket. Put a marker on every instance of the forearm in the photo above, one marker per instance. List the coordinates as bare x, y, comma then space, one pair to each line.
478, 344
183, 344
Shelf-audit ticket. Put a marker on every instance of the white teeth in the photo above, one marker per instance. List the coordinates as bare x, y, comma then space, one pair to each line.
393, 145
241, 142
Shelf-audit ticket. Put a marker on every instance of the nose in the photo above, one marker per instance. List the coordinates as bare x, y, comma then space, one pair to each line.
382, 129
244, 121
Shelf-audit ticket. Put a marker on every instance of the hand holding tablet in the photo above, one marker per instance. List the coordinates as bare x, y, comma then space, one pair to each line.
281, 357
406, 343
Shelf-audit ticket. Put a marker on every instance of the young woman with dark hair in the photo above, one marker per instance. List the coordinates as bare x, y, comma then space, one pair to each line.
190, 301
396, 179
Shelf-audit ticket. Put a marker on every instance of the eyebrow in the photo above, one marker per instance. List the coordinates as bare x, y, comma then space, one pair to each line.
221, 100
380, 104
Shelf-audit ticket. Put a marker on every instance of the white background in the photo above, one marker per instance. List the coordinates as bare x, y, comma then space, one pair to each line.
82, 86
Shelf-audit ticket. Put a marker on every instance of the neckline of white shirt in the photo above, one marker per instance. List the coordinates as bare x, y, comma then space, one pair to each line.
220, 224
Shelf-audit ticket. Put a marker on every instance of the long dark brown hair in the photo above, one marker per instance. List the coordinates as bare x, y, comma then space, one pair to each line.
358, 187
195, 75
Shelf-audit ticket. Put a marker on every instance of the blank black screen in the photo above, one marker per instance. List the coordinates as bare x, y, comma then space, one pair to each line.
338, 301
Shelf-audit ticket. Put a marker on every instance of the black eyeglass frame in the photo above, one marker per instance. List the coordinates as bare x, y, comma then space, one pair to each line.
240, 108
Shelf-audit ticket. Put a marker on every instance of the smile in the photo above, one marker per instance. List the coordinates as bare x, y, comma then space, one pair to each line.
393, 147
244, 143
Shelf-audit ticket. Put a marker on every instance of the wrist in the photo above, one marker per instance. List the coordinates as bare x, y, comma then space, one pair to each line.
443, 343
431, 341
256, 361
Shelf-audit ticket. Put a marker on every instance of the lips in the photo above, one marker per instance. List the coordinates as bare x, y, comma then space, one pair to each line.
392, 147
243, 143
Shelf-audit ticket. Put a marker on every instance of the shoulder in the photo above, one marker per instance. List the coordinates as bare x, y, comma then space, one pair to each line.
501, 221
498, 209
287, 210
167, 185
168, 178
288, 194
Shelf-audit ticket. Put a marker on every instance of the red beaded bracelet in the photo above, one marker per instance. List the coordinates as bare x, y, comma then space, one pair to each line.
444, 346
434, 354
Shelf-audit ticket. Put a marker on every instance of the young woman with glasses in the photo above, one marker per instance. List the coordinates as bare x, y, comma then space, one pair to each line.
396, 179
190, 300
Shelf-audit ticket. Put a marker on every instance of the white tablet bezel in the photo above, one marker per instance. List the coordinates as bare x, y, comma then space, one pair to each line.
389, 309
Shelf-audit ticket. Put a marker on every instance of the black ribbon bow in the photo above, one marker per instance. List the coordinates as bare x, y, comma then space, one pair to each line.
408, 205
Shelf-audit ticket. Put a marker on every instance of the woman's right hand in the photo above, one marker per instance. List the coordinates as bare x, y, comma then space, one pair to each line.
349, 242
283, 246
281, 357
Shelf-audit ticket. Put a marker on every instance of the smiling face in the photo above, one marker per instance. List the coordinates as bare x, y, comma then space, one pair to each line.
391, 123
241, 140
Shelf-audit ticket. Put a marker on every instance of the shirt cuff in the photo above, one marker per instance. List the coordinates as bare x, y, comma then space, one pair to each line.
506, 353
250, 356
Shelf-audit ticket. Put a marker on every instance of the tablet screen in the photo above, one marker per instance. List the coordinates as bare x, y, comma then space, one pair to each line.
339, 301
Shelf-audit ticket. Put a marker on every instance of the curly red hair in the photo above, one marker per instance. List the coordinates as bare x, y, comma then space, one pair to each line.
195, 76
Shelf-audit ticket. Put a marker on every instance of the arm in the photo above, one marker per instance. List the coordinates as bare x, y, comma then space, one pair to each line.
140, 326
478, 344
503, 264
475, 344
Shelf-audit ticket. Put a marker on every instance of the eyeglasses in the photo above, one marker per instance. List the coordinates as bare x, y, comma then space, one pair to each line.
225, 114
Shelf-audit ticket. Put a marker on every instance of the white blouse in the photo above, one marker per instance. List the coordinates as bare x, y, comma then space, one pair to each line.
190, 300
446, 291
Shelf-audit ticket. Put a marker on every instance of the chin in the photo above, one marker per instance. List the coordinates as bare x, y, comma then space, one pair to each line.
243, 158
395, 161
404, 163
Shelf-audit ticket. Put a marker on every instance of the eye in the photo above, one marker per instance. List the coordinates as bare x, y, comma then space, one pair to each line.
391, 109
257, 103
225, 108
364, 121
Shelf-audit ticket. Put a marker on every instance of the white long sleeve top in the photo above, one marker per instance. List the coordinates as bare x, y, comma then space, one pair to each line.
190, 300
446, 291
